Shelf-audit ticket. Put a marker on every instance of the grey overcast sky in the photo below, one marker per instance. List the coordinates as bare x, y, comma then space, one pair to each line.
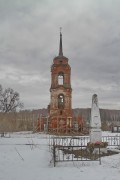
29, 40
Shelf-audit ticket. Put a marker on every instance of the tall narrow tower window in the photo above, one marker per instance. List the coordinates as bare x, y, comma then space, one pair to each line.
60, 79
61, 101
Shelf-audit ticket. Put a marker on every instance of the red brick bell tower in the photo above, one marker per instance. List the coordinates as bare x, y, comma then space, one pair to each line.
60, 107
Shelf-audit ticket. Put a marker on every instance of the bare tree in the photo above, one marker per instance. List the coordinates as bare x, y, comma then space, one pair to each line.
9, 100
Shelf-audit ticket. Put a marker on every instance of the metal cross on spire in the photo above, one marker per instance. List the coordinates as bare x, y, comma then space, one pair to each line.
60, 29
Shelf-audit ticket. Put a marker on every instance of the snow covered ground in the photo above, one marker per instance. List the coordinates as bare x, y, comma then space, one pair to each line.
21, 161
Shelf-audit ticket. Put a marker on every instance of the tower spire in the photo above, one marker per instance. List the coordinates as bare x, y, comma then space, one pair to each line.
60, 46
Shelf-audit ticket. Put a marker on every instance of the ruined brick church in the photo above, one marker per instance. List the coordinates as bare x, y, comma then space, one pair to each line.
60, 107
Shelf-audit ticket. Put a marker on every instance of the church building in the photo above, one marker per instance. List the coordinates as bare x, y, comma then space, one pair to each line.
60, 107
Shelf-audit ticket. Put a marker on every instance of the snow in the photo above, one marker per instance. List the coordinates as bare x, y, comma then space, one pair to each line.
21, 161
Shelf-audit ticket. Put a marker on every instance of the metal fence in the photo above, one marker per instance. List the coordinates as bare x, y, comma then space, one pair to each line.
74, 153
69, 140
74, 148
112, 140
81, 140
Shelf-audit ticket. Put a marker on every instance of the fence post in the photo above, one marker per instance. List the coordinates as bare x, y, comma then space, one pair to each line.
99, 156
54, 156
119, 143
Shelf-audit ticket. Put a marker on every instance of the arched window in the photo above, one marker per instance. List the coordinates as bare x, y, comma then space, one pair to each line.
61, 101
60, 78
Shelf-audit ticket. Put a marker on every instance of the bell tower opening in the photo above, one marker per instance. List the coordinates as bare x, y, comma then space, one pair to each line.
60, 107
61, 101
60, 78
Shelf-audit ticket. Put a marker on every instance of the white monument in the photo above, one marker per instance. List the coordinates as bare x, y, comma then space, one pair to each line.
95, 122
